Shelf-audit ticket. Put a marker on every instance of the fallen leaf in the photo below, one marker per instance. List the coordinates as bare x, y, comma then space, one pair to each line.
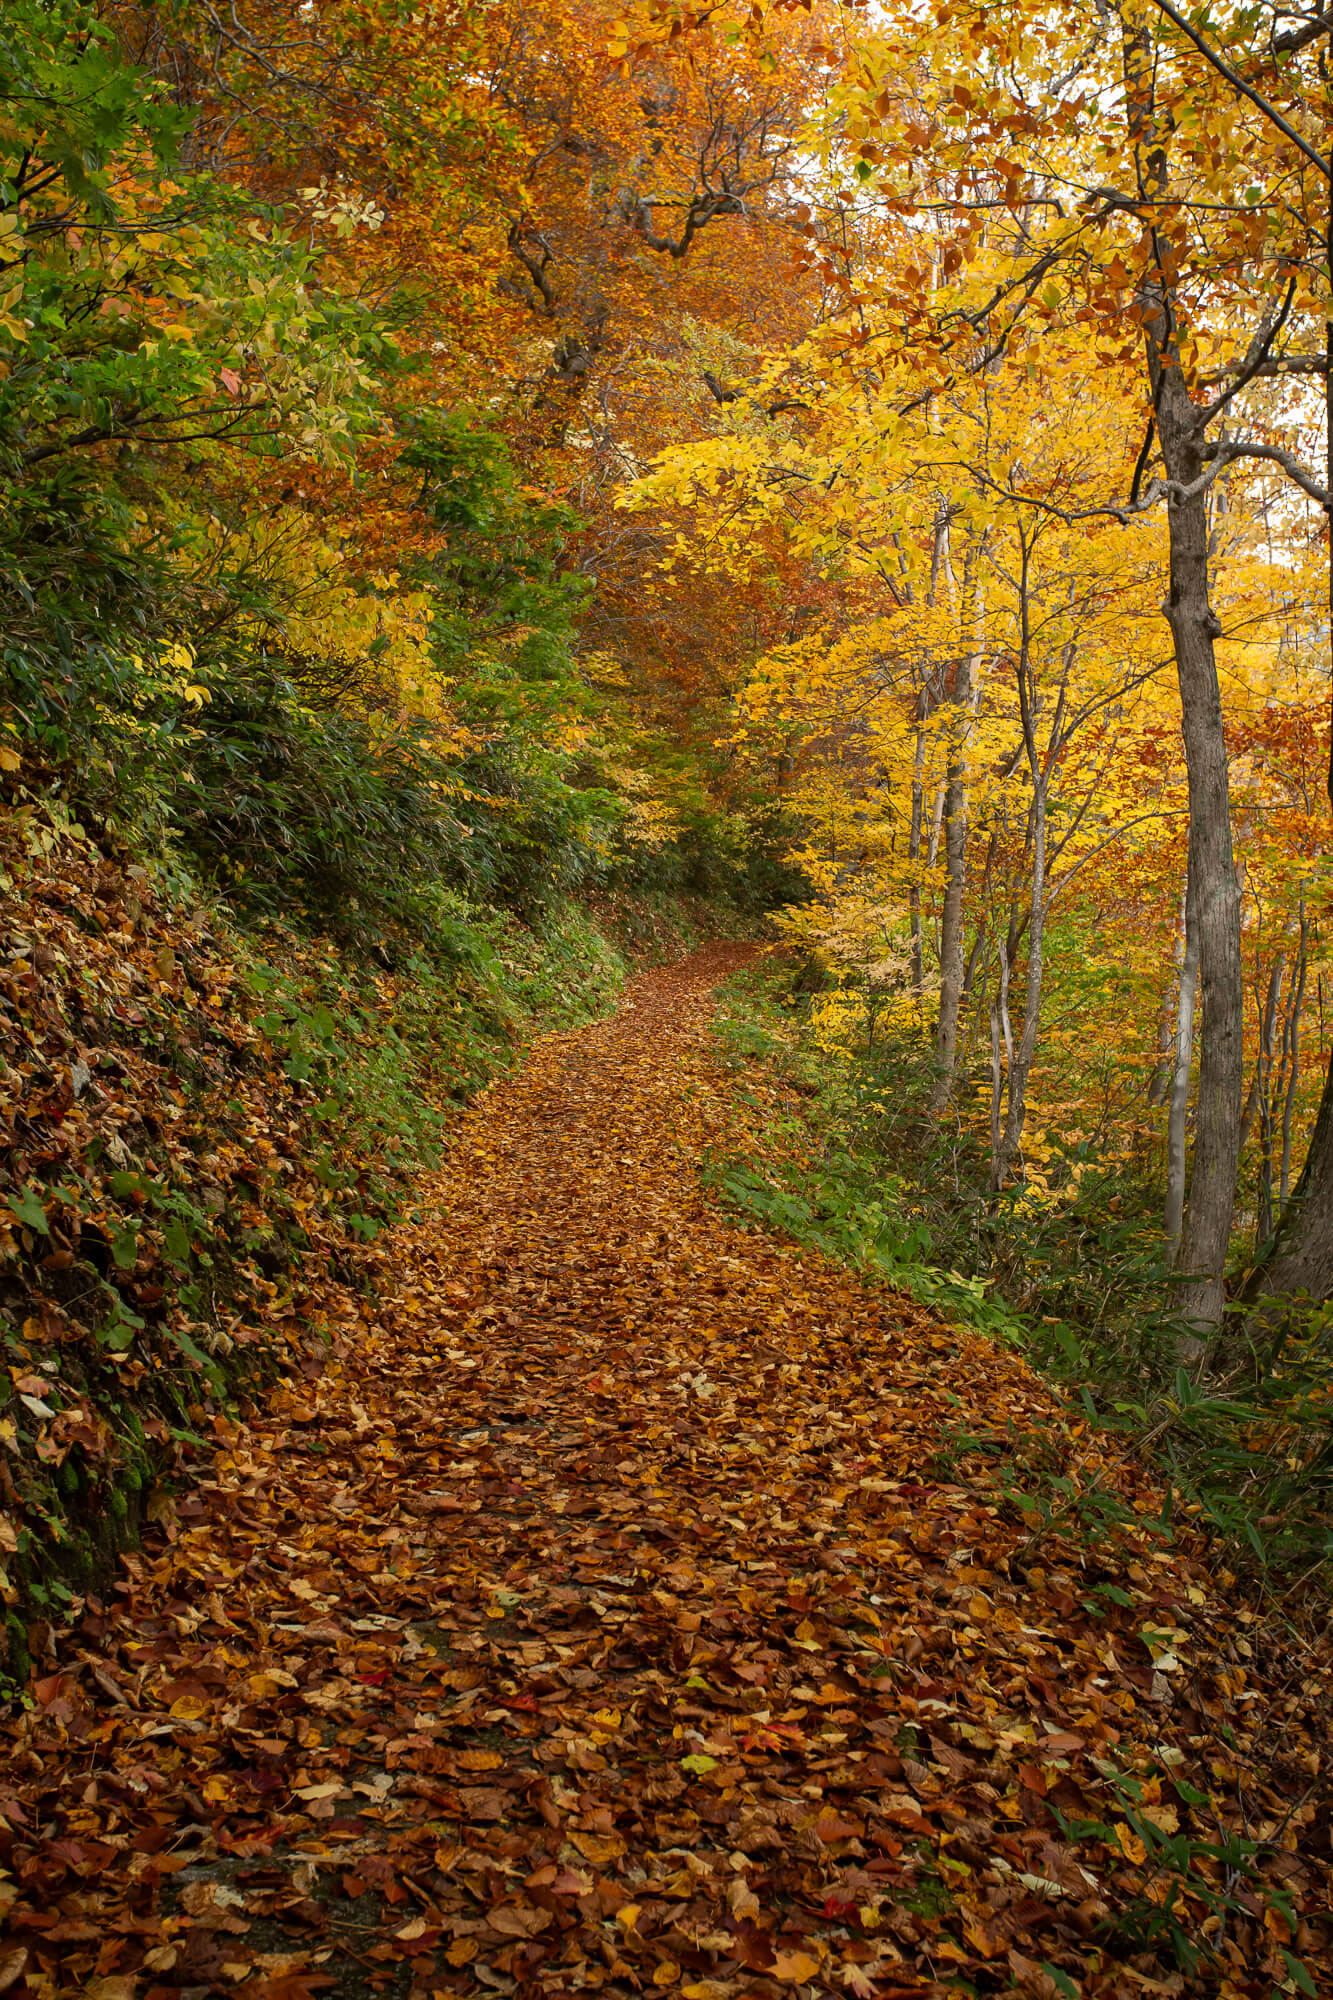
796, 1967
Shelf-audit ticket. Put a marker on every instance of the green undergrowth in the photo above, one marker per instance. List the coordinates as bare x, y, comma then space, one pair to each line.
851, 1166
816, 1182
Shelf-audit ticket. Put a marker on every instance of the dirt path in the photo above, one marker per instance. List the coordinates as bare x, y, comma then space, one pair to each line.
600, 1618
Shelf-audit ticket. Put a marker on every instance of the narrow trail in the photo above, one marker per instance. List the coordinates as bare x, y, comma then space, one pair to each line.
600, 1616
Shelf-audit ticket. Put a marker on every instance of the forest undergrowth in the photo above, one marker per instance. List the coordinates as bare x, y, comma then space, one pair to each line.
203, 1122
849, 1162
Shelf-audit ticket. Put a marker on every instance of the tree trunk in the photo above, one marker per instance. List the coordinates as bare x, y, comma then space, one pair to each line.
996, 1075
1020, 1059
1159, 1080
951, 922
955, 837
1263, 1227
1213, 884
1292, 1055
1194, 626
1299, 1264
914, 856
1178, 1103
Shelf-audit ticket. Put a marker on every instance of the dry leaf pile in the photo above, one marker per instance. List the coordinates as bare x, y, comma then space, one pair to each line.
592, 1620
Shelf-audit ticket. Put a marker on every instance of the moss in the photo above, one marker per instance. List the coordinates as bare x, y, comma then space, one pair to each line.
78, 1561
18, 1658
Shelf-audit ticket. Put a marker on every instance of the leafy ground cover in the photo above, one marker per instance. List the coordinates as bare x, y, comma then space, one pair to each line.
593, 1611
200, 1124
841, 1157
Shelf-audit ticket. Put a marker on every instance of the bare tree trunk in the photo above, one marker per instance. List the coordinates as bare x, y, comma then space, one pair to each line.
1300, 1266
1178, 1104
1292, 1059
1020, 1060
914, 856
1250, 1112
1263, 1079
1159, 1081
951, 918
955, 836
936, 823
1207, 1229
939, 551
1300, 1262
1206, 1233
996, 1074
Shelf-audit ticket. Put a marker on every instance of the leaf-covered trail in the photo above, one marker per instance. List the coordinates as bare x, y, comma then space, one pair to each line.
595, 1619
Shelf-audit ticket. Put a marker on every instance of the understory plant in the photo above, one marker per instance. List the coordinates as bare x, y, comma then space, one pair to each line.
857, 1168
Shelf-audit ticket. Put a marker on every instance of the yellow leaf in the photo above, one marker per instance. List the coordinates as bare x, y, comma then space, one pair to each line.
264, 1686
795, 1966
599, 1848
667, 1973
1129, 1843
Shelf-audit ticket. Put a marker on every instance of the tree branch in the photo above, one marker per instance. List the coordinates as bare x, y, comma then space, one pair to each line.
1300, 38
1256, 354
1237, 82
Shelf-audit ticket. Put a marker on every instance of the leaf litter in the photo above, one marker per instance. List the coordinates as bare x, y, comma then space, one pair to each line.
599, 1613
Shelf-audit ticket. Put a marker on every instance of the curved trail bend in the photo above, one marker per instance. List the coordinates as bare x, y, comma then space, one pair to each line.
600, 1618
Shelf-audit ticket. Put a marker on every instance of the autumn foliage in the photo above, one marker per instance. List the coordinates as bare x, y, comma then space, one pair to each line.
490, 489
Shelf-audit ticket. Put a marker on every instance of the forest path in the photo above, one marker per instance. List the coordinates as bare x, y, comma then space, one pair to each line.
599, 1618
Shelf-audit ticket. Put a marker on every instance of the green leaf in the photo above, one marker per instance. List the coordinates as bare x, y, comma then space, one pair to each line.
193, 1352
119, 1330
176, 1241
29, 1211
125, 1247
1296, 1967
698, 1763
